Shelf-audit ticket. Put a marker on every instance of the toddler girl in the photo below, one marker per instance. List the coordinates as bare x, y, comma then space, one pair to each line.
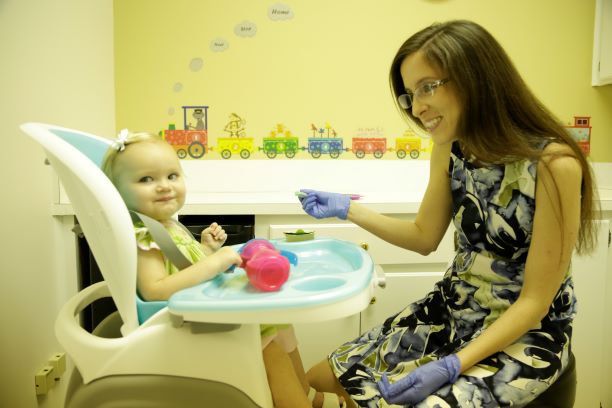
148, 175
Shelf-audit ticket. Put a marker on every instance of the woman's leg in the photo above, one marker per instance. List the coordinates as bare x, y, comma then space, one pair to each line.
298, 366
286, 388
322, 378
279, 348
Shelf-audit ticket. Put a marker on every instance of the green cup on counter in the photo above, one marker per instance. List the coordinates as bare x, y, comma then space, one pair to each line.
299, 235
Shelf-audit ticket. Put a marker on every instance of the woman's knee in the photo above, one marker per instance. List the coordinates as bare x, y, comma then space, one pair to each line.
320, 369
321, 376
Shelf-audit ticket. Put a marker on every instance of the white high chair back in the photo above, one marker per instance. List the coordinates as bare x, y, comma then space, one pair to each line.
100, 209
160, 363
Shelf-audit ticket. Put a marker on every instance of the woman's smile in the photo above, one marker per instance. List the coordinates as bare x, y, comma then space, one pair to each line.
431, 124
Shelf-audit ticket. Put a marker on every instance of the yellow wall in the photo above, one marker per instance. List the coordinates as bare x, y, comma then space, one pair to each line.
329, 63
57, 68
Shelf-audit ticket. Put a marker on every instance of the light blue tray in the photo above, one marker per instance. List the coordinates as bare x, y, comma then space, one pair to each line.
328, 271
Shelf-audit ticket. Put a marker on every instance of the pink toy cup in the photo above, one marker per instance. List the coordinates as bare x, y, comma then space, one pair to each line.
265, 267
252, 247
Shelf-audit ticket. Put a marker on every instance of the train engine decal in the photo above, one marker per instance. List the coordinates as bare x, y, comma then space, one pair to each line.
192, 141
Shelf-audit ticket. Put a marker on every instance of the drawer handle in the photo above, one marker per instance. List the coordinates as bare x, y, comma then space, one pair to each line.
379, 277
364, 245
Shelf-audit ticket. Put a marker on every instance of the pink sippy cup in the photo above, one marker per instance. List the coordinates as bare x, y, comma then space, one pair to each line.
265, 267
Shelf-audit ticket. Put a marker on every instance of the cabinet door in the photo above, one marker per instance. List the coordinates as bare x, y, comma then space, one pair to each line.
402, 288
606, 378
317, 340
602, 44
589, 274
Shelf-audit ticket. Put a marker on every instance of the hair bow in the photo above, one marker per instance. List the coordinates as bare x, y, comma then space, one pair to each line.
119, 143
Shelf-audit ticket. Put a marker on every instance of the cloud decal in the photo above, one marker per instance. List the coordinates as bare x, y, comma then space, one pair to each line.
219, 44
245, 29
196, 64
280, 11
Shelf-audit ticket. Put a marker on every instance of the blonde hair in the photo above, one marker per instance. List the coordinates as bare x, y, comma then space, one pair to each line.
119, 145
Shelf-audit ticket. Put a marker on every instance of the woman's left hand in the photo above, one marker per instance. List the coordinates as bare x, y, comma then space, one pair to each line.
421, 382
213, 238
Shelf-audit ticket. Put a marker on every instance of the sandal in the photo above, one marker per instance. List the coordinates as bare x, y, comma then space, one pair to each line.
330, 400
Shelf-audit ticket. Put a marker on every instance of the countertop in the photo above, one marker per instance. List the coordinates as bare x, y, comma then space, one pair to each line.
285, 202
268, 187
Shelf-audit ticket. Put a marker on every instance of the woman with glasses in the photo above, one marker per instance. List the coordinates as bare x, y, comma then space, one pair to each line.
496, 330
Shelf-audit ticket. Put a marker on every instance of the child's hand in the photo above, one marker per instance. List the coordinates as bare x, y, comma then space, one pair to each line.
225, 257
213, 238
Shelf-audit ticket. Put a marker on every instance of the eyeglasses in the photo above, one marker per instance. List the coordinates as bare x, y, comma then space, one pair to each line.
423, 91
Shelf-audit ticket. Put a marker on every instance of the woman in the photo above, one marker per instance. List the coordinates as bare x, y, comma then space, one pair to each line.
496, 331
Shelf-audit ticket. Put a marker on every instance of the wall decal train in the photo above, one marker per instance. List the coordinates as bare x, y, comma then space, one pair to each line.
193, 142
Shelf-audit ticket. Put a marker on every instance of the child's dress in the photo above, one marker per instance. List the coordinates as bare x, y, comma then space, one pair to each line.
192, 249
493, 209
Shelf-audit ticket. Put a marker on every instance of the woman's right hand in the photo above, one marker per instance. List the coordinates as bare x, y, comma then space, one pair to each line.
321, 204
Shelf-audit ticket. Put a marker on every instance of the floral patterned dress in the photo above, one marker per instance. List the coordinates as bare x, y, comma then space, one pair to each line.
493, 209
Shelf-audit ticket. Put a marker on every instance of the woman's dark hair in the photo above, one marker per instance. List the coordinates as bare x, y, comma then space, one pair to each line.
502, 120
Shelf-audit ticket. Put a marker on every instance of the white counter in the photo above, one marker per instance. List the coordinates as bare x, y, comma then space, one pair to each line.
285, 202
269, 186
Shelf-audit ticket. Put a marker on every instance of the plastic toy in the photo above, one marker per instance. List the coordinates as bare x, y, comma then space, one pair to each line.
299, 235
266, 267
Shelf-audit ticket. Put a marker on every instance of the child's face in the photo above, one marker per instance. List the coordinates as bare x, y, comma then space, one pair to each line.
150, 179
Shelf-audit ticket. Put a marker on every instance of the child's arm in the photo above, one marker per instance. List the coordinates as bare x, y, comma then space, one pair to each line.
154, 283
213, 238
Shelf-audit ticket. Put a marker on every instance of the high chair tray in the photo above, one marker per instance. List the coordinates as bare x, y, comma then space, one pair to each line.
332, 279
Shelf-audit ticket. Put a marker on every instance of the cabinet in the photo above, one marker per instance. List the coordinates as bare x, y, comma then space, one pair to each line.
410, 276
592, 321
602, 43
402, 288
606, 380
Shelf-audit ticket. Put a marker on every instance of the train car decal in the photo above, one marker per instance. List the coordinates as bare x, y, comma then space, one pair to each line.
581, 132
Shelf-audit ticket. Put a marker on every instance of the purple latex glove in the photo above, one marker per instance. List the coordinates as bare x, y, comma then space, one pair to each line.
321, 204
421, 382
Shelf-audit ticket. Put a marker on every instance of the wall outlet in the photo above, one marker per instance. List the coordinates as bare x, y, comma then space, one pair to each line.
44, 380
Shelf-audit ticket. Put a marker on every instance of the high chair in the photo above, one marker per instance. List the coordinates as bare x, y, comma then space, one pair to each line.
180, 356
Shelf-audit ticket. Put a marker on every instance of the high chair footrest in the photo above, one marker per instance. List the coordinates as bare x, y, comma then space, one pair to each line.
153, 391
